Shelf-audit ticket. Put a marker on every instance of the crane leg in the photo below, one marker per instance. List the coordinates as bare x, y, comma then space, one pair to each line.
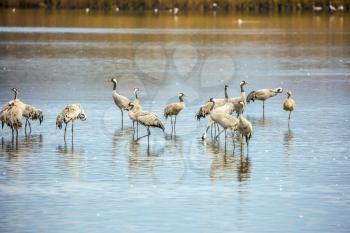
30, 127
204, 136
65, 131
171, 119
234, 145
72, 130
263, 108
217, 136
225, 139
147, 135
175, 125
137, 128
122, 116
247, 141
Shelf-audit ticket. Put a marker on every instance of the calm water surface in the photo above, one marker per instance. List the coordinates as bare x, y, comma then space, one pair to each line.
294, 180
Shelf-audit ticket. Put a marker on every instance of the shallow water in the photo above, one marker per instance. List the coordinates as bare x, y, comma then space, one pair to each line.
294, 180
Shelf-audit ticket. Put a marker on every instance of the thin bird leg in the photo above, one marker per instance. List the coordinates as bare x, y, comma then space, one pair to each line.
72, 130
30, 128
122, 116
225, 140
133, 125
137, 128
65, 130
25, 126
175, 125
263, 108
148, 133
205, 133
241, 140
247, 141
171, 119
217, 136
290, 112
234, 145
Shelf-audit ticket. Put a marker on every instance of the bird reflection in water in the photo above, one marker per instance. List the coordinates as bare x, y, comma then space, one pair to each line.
18, 147
262, 122
17, 150
140, 167
223, 165
73, 158
288, 141
243, 169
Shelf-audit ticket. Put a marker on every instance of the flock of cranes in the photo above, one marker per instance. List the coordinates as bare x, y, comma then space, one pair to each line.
219, 112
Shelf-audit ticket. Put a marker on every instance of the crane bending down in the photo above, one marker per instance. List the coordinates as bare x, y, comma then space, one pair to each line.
147, 119
12, 113
205, 109
246, 130
132, 115
70, 113
31, 114
228, 108
225, 120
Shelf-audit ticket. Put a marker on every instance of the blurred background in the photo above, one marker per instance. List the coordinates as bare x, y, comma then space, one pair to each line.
196, 5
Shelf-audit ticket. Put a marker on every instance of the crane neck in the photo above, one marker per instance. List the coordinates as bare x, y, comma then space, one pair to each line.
242, 89
226, 95
181, 98
15, 95
136, 95
114, 86
212, 107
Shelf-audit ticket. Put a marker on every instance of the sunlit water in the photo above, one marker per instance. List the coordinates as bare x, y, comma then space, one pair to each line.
294, 179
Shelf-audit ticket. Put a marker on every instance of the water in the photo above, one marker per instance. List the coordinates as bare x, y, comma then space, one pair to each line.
294, 180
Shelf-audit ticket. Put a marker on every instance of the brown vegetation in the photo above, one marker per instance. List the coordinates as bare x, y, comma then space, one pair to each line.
201, 5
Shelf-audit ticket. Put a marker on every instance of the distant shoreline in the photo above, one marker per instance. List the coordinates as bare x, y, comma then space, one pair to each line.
254, 6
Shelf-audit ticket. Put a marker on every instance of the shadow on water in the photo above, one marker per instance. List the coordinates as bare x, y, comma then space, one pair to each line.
157, 162
243, 169
73, 158
119, 137
288, 141
262, 122
224, 164
18, 147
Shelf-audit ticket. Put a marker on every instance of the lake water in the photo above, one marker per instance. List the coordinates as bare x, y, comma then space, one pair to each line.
295, 179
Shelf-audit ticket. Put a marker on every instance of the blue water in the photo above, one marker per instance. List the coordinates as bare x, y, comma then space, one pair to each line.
294, 179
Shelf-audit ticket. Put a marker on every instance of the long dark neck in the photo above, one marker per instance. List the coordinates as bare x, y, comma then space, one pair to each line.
15, 95
136, 96
226, 95
242, 90
114, 86
181, 98
212, 107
